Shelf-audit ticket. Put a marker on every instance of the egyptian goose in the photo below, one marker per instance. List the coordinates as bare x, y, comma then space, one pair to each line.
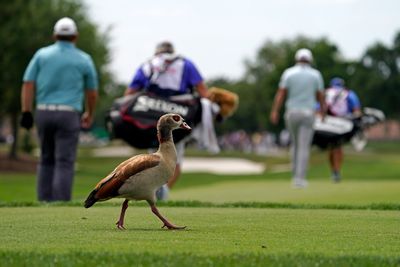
139, 177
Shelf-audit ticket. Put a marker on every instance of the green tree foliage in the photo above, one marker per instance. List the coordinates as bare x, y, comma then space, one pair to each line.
376, 77
27, 26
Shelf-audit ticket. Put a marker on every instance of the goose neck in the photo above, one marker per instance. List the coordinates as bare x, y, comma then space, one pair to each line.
164, 134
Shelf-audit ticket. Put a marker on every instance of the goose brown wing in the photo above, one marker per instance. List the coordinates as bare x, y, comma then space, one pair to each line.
109, 186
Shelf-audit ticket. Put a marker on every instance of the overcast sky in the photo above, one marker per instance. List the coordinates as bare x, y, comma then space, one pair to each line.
217, 35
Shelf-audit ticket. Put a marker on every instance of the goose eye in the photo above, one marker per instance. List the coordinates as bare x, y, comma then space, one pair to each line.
176, 118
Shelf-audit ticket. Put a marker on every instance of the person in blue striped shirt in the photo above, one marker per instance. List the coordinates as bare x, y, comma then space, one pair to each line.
341, 102
167, 75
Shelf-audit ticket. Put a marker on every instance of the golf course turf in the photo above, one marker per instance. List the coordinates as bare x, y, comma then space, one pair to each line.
232, 220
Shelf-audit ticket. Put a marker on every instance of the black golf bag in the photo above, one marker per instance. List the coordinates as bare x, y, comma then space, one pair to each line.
334, 131
133, 118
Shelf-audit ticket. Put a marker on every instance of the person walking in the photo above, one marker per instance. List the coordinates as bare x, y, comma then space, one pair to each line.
344, 103
167, 75
59, 77
302, 86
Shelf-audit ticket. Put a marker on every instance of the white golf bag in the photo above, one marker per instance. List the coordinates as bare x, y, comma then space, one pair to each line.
333, 131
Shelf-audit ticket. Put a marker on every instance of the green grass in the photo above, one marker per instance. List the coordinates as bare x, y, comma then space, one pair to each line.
73, 236
368, 177
318, 192
233, 220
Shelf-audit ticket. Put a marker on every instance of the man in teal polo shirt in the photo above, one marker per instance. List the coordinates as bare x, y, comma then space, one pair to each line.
59, 76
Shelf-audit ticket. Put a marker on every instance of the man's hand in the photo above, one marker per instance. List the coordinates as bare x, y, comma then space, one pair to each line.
202, 89
26, 120
278, 101
274, 117
90, 103
86, 120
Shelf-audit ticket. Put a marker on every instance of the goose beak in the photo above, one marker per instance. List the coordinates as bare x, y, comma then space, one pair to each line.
185, 126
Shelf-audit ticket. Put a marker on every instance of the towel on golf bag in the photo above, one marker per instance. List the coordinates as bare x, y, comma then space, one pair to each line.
133, 118
204, 133
334, 131
227, 101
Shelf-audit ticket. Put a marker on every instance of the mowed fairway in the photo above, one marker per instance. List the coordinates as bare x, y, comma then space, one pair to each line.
232, 220
318, 192
52, 235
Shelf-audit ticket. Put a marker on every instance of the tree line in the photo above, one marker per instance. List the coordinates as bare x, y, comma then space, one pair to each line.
27, 26
374, 77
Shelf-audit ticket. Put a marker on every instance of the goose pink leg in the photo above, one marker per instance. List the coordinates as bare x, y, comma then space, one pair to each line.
167, 224
120, 223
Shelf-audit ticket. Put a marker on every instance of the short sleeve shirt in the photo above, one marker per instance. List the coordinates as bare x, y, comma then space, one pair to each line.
301, 82
61, 73
353, 102
341, 101
180, 76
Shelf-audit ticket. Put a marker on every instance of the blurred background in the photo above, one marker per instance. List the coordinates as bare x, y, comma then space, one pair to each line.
243, 46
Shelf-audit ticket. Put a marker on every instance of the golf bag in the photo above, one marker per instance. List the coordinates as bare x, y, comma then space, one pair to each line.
133, 118
334, 131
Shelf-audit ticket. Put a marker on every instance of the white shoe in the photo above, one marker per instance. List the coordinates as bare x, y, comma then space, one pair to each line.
336, 177
299, 183
162, 193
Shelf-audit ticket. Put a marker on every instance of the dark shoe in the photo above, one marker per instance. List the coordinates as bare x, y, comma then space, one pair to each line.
336, 177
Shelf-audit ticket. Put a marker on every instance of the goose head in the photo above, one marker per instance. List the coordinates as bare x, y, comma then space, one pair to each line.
169, 122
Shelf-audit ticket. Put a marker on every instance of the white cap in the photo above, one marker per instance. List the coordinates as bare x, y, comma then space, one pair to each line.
304, 54
65, 26
165, 47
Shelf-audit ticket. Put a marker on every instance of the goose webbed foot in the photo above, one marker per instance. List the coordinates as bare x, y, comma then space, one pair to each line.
166, 224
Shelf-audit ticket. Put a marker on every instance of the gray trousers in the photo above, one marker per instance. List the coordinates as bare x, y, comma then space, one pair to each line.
300, 125
58, 136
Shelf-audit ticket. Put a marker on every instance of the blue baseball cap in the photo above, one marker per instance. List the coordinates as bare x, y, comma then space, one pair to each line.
337, 82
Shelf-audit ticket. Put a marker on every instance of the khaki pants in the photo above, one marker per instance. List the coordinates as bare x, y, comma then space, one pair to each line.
300, 125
